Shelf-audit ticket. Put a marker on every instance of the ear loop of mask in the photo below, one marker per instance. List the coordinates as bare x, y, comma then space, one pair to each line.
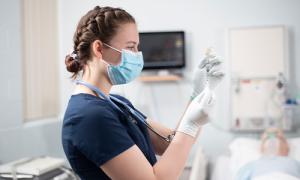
112, 48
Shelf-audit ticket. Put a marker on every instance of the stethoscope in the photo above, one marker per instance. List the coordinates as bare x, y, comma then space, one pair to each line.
135, 114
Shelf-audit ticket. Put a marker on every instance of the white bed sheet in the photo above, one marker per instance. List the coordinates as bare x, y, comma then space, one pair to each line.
276, 176
222, 171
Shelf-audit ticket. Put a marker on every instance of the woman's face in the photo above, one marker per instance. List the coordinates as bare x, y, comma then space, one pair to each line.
127, 37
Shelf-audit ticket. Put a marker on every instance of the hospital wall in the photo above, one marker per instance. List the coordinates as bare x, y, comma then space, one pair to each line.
19, 139
205, 24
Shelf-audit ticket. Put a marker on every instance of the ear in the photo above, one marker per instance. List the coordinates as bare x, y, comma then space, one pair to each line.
97, 49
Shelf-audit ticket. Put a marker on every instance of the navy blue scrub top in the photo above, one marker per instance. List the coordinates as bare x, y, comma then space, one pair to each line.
94, 132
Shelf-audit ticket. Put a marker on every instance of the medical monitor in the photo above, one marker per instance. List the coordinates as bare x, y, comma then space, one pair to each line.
163, 50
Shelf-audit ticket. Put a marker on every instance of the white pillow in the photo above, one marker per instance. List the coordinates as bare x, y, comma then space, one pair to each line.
245, 150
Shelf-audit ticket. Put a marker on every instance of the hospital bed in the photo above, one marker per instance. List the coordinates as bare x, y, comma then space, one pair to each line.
245, 150
199, 164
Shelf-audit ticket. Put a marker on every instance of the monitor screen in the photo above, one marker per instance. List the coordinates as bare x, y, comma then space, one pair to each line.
163, 50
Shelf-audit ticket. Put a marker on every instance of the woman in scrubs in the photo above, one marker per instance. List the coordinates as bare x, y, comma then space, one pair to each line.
104, 136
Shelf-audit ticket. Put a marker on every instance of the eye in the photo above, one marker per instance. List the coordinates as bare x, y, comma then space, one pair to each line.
131, 48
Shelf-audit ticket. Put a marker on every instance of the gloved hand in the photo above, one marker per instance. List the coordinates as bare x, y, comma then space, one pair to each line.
207, 73
197, 113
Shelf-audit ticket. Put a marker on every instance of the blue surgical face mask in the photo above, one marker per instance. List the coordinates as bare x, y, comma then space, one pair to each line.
130, 67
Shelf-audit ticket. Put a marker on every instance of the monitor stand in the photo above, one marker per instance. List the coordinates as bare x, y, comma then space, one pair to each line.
160, 75
163, 72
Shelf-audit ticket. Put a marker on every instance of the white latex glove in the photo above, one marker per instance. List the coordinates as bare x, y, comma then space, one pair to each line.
197, 113
207, 73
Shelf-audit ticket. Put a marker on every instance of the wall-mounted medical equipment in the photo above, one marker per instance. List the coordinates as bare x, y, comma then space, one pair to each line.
259, 76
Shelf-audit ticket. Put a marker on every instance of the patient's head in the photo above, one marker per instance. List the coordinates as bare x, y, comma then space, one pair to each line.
274, 143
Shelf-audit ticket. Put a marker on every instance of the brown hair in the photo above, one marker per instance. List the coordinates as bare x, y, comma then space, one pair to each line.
100, 23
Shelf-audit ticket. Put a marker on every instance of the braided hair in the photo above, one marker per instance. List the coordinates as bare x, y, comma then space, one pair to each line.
100, 23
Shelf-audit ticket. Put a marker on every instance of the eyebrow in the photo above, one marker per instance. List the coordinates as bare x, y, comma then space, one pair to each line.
133, 42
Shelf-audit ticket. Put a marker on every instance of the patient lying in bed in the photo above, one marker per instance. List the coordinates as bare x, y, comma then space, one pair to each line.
275, 150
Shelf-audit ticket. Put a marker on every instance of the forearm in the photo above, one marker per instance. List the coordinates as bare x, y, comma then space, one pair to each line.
172, 162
